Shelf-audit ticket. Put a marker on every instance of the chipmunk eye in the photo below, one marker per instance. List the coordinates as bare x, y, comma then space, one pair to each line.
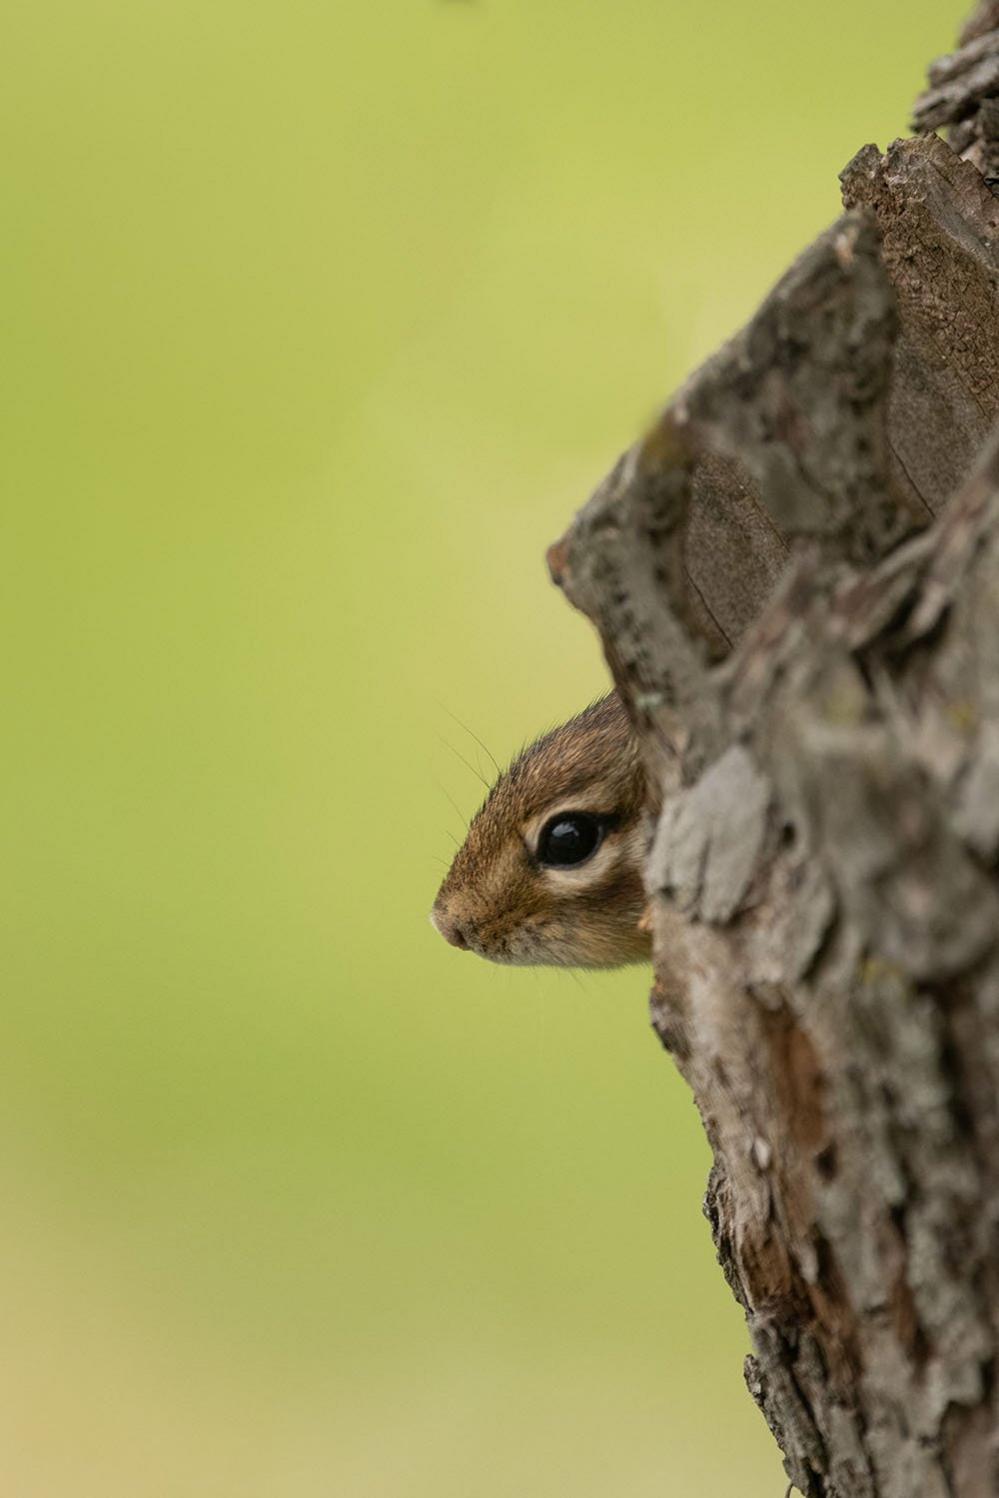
569, 838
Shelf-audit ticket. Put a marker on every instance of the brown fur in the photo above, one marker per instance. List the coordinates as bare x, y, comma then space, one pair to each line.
497, 899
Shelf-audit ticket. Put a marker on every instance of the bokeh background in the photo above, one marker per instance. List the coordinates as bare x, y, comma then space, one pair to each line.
319, 320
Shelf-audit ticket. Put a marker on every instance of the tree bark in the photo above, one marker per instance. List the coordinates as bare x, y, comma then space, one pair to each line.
796, 579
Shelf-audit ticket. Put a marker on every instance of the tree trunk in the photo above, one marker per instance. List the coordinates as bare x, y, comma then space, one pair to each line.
796, 579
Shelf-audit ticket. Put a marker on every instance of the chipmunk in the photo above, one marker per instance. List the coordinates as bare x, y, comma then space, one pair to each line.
550, 872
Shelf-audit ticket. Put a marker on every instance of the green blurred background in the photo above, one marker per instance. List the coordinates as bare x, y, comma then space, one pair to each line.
320, 318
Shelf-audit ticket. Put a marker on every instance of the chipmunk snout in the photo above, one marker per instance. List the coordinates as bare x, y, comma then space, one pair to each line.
449, 928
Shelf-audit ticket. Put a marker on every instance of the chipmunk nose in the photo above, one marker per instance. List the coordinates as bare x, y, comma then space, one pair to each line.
449, 929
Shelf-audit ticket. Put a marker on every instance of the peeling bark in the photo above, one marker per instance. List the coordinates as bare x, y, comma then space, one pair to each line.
796, 579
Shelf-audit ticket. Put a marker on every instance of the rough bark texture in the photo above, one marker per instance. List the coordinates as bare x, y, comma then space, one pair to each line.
796, 578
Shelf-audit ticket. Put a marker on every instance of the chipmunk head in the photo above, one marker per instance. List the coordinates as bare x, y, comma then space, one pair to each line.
551, 869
